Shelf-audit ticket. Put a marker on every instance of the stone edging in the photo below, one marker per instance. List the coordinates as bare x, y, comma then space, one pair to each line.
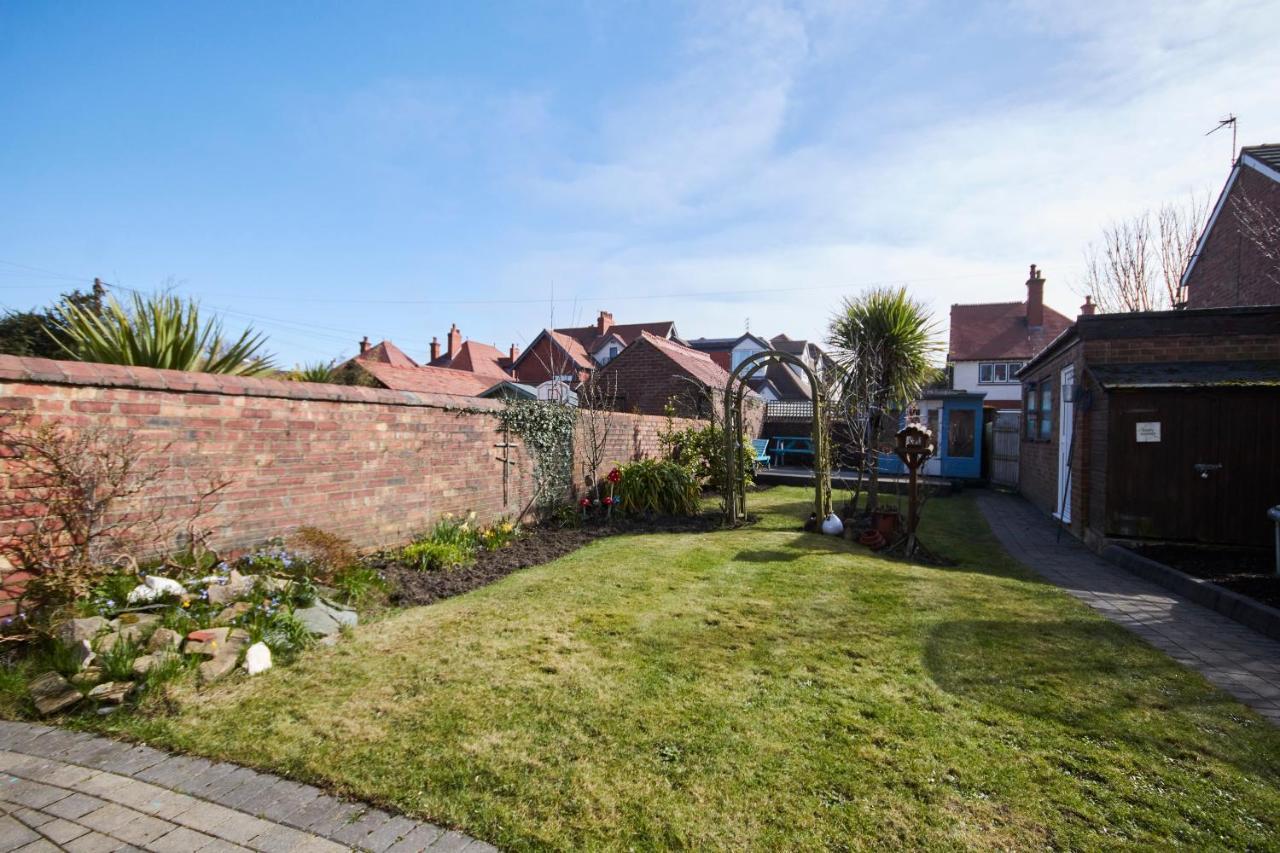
1244, 610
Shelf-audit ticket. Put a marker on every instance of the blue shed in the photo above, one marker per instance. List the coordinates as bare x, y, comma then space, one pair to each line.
955, 419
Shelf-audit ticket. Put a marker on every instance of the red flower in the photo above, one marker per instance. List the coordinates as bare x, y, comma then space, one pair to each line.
614, 476
584, 503
608, 501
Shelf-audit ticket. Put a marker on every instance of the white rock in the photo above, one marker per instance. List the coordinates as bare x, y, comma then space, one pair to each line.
257, 659
165, 586
833, 526
141, 594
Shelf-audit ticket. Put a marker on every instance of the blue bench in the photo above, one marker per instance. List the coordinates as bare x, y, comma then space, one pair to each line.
761, 447
789, 445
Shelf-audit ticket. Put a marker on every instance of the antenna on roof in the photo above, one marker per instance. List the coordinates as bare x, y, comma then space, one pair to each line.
1229, 120
748, 324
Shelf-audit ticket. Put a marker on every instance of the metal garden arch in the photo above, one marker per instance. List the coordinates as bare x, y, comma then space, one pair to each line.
735, 504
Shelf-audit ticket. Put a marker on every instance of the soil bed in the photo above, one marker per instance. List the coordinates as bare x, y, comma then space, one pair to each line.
1249, 572
537, 546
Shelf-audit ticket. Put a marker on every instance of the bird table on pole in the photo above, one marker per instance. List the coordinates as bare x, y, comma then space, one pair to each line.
915, 445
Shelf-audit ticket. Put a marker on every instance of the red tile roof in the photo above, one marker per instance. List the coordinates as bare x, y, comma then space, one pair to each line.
428, 380
478, 358
573, 347
697, 364
591, 339
999, 330
387, 353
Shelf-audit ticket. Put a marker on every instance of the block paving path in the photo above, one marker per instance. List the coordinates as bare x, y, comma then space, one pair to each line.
64, 790
1231, 656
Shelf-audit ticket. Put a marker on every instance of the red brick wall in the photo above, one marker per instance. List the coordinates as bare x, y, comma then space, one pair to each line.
369, 464
543, 360
1230, 270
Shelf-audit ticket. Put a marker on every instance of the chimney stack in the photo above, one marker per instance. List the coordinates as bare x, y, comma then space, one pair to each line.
1088, 308
455, 340
435, 347
364, 345
1035, 299
604, 323
514, 353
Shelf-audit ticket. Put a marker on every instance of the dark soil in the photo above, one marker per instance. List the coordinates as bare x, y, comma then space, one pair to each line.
1247, 571
537, 546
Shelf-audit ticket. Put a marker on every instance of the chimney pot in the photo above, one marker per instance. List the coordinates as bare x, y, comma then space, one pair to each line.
1088, 308
1035, 299
455, 340
364, 345
604, 322
435, 348
514, 353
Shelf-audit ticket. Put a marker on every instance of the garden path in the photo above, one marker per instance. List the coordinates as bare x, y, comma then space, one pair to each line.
64, 790
1231, 656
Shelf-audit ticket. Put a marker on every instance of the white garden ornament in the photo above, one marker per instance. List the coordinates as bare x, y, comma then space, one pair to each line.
257, 659
832, 525
154, 587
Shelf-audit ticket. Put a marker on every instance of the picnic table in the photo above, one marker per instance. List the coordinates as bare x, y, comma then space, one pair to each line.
786, 445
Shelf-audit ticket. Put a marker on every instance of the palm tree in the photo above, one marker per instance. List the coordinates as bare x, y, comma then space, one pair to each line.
320, 371
160, 330
883, 342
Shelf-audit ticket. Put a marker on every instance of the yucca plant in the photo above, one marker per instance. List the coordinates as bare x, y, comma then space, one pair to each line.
314, 372
159, 330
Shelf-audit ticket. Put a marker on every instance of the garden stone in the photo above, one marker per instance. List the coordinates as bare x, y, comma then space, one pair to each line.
323, 619
134, 625
232, 613
257, 659
90, 675
236, 586
51, 693
206, 641
164, 638
225, 660
145, 663
111, 692
107, 641
75, 630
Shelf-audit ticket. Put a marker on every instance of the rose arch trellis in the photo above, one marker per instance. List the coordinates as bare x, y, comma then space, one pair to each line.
735, 504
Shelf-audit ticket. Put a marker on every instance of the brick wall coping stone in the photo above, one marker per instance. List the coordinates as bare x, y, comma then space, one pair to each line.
1233, 605
48, 371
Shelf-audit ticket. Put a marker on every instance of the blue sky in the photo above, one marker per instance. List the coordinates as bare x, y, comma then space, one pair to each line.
327, 171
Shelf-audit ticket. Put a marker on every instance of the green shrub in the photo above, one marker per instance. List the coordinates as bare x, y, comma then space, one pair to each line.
117, 661
429, 555
360, 586
450, 530
701, 450
279, 629
657, 486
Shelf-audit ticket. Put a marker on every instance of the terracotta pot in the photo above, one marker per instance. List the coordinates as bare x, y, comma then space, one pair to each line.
886, 521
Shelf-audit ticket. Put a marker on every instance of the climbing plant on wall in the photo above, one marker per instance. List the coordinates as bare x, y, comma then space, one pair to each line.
547, 431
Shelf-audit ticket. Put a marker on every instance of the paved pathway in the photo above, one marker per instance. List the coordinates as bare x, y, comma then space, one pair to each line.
1236, 658
64, 790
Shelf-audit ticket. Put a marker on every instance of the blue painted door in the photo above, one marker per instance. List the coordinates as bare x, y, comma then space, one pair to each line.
960, 446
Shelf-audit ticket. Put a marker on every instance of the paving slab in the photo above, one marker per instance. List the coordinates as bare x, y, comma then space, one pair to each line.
75, 792
1233, 657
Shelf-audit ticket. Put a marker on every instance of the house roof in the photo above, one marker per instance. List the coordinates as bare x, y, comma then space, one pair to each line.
568, 345
518, 389
725, 344
699, 365
1268, 155
1188, 374
387, 353
591, 340
999, 330
476, 357
427, 380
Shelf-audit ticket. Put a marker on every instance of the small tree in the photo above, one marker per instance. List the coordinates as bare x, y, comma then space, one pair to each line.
886, 331
66, 494
596, 400
1139, 262
30, 333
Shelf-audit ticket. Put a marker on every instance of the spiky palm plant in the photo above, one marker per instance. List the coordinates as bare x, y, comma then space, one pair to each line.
888, 332
159, 330
313, 372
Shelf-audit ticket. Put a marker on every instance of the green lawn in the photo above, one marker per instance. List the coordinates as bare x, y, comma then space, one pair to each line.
761, 688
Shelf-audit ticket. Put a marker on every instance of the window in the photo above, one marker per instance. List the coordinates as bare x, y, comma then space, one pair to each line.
1030, 412
998, 372
1046, 410
613, 352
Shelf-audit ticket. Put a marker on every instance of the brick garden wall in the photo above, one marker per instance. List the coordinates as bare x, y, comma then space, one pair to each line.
370, 464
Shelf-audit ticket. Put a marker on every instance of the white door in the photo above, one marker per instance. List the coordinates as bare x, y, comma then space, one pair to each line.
1066, 426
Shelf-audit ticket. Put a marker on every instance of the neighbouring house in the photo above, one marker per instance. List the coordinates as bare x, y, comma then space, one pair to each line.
472, 356
1237, 259
775, 382
991, 341
1157, 425
571, 354
384, 365
653, 372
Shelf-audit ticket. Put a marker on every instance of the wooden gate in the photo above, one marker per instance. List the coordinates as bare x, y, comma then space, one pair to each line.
1005, 440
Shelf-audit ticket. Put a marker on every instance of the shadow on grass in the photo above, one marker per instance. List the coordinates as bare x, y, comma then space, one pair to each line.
1088, 677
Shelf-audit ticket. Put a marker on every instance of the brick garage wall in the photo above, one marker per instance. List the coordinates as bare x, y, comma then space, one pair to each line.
370, 464
1222, 346
1230, 269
